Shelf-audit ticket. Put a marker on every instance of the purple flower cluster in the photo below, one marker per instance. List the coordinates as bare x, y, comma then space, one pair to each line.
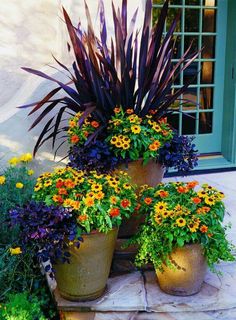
44, 231
180, 154
95, 156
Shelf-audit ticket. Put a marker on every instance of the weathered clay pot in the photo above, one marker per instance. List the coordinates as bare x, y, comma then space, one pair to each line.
187, 277
151, 173
86, 276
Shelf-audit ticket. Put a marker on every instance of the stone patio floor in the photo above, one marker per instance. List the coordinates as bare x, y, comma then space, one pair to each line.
136, 295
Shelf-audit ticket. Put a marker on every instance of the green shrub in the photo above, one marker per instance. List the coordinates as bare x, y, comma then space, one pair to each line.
21, 306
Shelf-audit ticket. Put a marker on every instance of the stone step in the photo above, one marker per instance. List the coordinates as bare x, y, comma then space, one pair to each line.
137, 296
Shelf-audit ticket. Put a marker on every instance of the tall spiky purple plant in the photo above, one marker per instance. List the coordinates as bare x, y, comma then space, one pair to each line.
133, 73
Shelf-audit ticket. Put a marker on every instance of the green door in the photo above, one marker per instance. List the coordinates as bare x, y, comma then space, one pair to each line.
204, 23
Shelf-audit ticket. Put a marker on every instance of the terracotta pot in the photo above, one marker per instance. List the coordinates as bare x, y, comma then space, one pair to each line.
86, 276
151, 174
187, 277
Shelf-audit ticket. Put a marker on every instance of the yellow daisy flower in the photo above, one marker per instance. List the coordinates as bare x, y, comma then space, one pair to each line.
19, 185
210, 201
30, 172
13, 161
96, 187
136, 129
160, 207
16, 250
181, 222
193, 227
47, 183
26, 157
37, 187
2, 179
127, 186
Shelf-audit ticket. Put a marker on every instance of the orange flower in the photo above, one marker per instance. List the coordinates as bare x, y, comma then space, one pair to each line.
204, 228
62, 191
137, 207
99, 195
153, 147
74, 139
113, 200
69, 184
196, 200
86, 134
117, 110
210, 235
82, 217
89, 202
129, 111
114, 212
165, 133
163, 193
59, 183
95, 124
152, 112
192, 184
148, 201
163, 120
125, 203
58, 199
182, 189
206, 209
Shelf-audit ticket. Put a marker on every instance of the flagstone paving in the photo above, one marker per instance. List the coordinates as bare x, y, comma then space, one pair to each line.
137, 296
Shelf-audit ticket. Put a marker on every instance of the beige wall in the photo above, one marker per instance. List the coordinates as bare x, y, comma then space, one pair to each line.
30, 31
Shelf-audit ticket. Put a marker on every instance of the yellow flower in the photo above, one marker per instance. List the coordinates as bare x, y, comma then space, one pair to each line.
68, 203
37, 187
100, 195
210, 201
16, 250
161, 206
89, 202
202, 194
19, 185
13, 161
113, 199
193, 227
2, 179
26, 157
30, 172
90, 194
181, 222
72, 123
98, 176
156, 127
127, 186
165, 214
136, 129
47, 183
158, 218
96, 187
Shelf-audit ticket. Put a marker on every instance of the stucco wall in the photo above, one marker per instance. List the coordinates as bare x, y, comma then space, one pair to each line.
30, 31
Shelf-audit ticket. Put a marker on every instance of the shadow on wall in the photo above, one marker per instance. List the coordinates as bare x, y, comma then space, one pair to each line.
14, 135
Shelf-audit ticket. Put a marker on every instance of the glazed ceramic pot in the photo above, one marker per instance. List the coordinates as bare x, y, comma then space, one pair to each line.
85, 277
186, 278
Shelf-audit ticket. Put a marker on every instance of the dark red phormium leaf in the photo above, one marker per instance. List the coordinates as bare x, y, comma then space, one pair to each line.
132, 71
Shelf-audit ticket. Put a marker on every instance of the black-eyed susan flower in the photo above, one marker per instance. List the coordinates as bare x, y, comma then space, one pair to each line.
181, 222
160, 207
136, 129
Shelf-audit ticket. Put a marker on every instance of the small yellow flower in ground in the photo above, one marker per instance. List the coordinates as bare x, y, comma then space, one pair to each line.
2, 179
19, 185
13, 161
30, 172
15, 250
181, 222
26, 157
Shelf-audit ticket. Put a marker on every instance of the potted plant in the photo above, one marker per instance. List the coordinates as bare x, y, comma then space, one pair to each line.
75, 218
182, 234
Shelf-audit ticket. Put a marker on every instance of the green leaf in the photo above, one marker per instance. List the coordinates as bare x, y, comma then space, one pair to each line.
180, 242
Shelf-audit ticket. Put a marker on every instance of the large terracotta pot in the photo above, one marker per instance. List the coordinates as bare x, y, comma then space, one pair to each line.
86, 276
151, 173
187, 277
